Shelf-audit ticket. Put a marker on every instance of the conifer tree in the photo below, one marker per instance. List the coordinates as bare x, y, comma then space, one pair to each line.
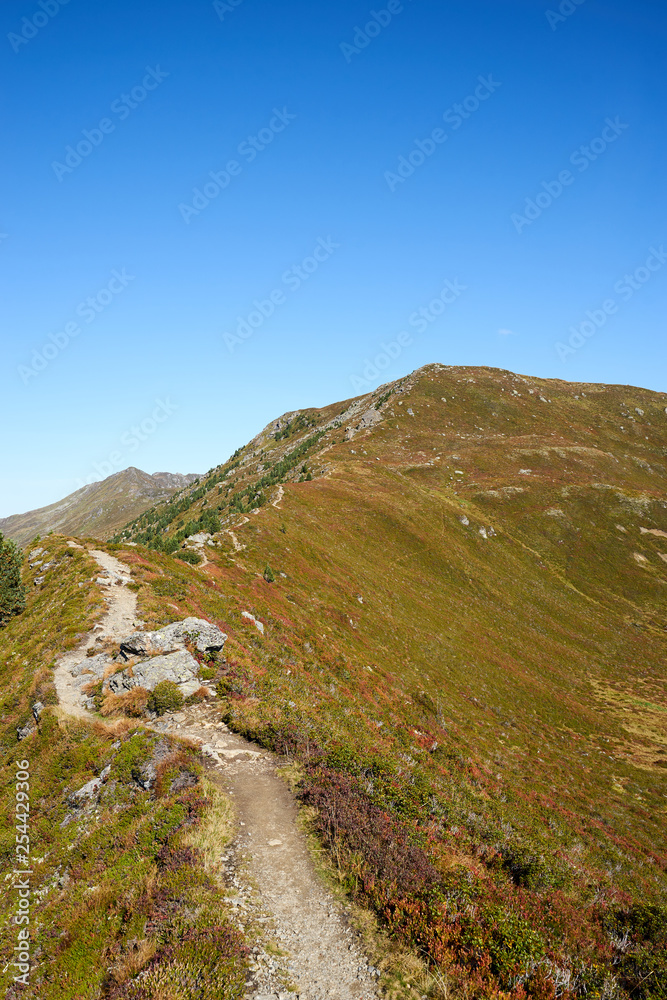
12, 591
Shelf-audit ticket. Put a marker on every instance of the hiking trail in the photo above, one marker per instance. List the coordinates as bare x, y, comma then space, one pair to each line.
306, 948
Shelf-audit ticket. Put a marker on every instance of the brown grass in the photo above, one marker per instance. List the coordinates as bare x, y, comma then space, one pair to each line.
130, 964
216, 828
132, 703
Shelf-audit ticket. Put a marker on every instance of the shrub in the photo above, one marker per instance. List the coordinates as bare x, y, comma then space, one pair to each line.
12, 590
512, 945
188, 556
165, 697
204, 962
268, 574
533, 871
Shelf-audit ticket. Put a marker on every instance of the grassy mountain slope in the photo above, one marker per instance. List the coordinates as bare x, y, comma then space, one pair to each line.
96, 510
464, 650
463, 655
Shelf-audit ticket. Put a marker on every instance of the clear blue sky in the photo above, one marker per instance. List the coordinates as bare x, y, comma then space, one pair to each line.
314, 117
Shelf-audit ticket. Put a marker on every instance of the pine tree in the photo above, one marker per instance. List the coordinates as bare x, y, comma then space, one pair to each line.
268, 574
12, 591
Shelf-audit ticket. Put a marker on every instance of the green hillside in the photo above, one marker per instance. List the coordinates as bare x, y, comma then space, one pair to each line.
464, 647
462, 582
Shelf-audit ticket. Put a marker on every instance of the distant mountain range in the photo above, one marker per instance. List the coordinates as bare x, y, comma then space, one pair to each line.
99, 509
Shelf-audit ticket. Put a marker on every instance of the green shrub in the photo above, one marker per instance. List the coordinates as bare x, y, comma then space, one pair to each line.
513, 945
532, 870
12, 590
188, 556
268, 574
165, 697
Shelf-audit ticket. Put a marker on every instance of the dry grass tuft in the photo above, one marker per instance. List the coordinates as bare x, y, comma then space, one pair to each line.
131, 703
138, 956
216, 828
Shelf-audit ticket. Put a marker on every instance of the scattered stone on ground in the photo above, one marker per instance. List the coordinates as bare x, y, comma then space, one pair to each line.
258, 625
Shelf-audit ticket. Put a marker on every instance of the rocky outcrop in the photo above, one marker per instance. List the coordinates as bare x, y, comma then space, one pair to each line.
256, 622
152, 657
368, 420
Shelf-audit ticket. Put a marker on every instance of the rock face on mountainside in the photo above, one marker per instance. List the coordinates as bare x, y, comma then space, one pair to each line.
99, 509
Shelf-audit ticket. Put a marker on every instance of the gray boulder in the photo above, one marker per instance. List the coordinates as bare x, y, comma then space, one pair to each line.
202, 538
189, 687
206, 637
179, 667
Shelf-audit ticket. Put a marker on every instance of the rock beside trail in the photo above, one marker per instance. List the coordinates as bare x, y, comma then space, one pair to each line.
201, 538
206, 637
179, 667
95, 665
160, 655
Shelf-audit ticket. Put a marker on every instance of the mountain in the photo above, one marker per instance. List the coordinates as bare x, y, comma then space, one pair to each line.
446, 608
464, 647
99, 509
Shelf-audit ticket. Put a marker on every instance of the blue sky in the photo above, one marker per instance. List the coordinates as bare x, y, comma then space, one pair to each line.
128, 272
